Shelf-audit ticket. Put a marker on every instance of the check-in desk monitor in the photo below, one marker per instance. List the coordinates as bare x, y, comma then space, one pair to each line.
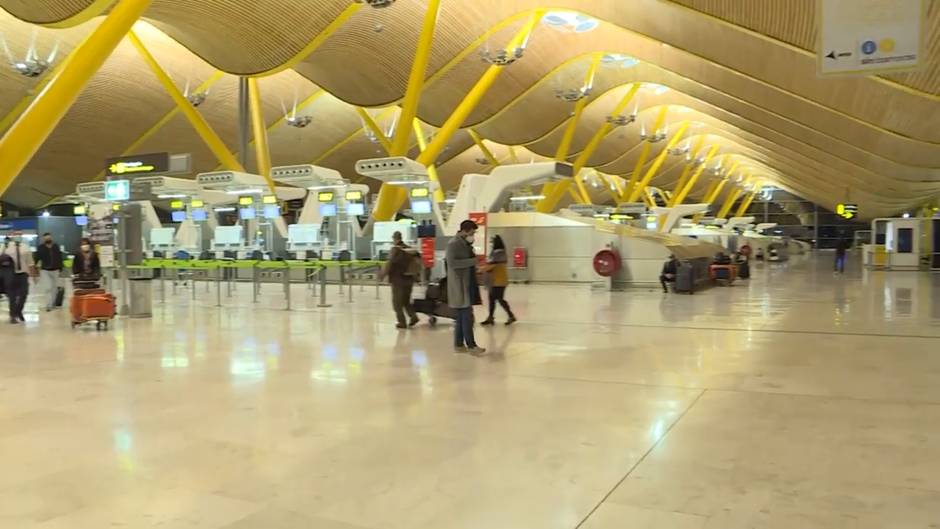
228, 238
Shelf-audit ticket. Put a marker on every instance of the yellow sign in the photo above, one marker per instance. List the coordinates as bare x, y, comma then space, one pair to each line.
176, 204
325, 196
847, 211
130, 167
269, 199
78, 210
420, 192
197, 203
246, 201
115, 207
354, 195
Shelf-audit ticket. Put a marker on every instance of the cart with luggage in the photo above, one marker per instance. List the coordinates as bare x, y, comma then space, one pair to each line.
91, 303
434, 304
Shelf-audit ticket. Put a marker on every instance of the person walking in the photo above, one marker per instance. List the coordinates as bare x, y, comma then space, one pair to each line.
402, 270
86, 265
497, 279
21, 266
462, 289
842, 248
49, 259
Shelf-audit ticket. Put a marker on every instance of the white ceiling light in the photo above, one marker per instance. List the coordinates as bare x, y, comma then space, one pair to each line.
570, 22
32, 65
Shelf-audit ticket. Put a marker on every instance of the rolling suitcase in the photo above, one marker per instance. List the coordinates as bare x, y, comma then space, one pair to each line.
685, 279
59, 297
92, 305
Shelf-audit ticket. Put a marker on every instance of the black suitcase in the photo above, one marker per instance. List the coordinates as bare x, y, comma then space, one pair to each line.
685, 279
59, 297
744, 270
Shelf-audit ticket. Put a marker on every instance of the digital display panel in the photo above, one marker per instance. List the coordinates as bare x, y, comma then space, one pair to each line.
178, 216
247, 213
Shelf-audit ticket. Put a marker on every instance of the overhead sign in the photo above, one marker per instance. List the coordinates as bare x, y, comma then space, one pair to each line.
117, 190
141, 164
847, 211
870, 36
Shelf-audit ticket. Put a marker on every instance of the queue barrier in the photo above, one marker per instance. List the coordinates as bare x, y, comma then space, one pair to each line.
311, 273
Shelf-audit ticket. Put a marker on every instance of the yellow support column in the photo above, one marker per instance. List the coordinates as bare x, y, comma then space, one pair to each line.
564, 147
602, 132
645, 154
637, 169
729, 202
432, 169
689, 167
33, 127
679, 197
487, 153
377, 131
389, 202
409, 106
474, 96
199, 123
260, 133
660, 160
747, 202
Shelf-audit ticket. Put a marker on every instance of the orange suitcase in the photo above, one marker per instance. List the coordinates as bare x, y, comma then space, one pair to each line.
97, 307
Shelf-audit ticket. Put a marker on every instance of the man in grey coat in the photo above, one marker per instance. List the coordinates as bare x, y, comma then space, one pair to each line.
462, 289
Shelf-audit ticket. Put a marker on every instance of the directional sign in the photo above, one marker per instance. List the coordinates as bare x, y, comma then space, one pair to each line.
871, 36
117, 190
140, 164
847, 211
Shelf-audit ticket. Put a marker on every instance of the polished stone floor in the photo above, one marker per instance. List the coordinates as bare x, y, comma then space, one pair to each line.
799, 401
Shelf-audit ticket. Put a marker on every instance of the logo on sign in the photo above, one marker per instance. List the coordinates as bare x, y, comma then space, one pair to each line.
117, 190
869, 47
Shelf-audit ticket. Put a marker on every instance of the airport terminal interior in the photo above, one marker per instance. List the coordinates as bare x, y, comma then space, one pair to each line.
433, 264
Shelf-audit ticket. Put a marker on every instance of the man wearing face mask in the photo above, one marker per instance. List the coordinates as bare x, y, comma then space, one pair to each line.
462, 289
49, 258
20, 263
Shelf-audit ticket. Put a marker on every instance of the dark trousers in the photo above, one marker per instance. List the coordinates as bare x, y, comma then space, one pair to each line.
401, 301
17, 287
840, 263
663, 279
496, 295
463, 328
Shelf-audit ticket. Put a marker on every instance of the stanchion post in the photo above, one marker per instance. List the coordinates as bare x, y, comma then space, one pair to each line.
323, 302
287, 284
218, 285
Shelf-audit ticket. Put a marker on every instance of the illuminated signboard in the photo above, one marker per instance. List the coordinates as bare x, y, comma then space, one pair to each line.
421, 207
178, 216
117, 190
245, 201
354, 195
420, 192
847, 211
140, 164
325, 196
197, 203
176, 204
78, 210
269, 199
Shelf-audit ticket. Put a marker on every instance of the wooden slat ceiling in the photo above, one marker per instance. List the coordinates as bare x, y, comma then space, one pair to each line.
877, 137
796, 22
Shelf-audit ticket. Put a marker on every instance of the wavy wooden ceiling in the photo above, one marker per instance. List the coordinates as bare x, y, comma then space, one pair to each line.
876, 136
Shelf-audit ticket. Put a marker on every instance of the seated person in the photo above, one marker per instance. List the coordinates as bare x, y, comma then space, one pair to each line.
670, 269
